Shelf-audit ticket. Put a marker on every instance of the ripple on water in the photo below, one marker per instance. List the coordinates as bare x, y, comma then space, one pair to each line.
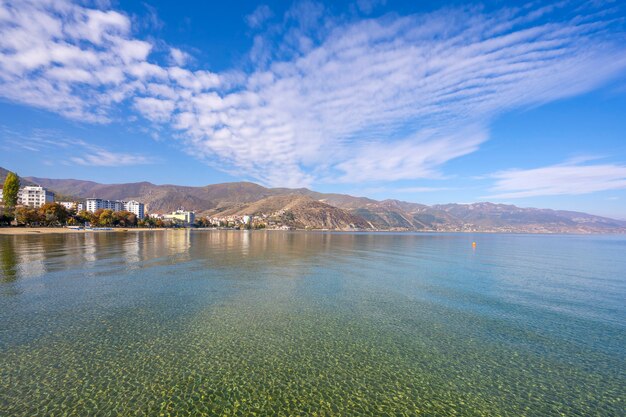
214, 333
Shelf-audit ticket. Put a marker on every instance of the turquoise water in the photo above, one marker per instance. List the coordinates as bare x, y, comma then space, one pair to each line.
290, 323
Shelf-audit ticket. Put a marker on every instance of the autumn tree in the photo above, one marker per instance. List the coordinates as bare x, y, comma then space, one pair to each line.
124, 219
53, 214
105, 218
27, 216
147, 222
84, 216
10, 190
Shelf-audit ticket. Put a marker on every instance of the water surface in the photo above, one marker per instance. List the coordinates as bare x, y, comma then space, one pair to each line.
287, 323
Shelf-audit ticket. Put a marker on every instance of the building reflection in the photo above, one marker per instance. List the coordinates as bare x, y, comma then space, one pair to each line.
179, 243
89, 249
31, 255
131, 250
288, 254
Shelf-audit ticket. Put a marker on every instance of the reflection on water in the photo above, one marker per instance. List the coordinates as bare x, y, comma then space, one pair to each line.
184, 322
8, 258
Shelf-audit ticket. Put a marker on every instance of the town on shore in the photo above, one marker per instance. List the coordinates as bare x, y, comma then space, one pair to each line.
36, 206
244, 205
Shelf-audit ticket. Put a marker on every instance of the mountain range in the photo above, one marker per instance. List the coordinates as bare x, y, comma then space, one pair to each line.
304, 208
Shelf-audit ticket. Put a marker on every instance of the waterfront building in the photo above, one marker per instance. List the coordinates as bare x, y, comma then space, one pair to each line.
94, 204
187, 218
70, 205
33, 195
135, 207
73, 205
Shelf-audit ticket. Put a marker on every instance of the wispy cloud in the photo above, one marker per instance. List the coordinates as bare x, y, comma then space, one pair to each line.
368, 6
69, 150
327, 98
403, 190
179, 57
80, 62
421, 189
569, 178
259, 16
104, 158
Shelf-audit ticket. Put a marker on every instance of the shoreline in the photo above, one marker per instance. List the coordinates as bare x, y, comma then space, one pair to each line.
19, 231
32, 231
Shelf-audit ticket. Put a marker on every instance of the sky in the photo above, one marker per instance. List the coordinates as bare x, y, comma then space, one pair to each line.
429, 102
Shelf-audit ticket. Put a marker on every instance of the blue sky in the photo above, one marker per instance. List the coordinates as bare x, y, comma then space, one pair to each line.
430, 102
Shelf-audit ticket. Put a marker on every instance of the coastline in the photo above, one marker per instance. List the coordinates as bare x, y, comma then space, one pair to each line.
25, 231
15, 231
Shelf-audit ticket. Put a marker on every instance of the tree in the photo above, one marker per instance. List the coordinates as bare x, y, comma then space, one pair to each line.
53, 214
10, 190
124, 219
5, 217
27, 216
105, 218
202, 222
84, 217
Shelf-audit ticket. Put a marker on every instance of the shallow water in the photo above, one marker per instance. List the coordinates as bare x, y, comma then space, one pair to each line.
288, 323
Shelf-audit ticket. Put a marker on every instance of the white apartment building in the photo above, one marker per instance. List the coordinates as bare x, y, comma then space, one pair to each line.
73, 205
94, 204
187, 218
67, 204
135, 207
32, 195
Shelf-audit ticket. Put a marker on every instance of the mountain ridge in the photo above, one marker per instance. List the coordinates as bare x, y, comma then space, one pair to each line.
316, 210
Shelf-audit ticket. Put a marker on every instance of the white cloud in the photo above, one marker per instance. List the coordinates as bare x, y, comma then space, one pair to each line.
77, 61
417, 157
179, 57
155, 109
368, 6
68, 150
570, 178
421, 189
259, 16
103, 158
393, 98
327, 98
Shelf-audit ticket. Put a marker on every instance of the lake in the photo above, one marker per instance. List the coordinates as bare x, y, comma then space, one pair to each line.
184, 322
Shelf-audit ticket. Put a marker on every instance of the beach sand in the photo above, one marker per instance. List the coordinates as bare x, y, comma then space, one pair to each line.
49, 230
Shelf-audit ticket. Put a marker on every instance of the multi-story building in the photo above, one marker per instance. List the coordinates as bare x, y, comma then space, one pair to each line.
135, 207
33, 195
94, 204
73, 205
187, 218
70, 205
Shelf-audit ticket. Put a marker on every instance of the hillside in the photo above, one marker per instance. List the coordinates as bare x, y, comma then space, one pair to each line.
3, 175
300, 212
304, 208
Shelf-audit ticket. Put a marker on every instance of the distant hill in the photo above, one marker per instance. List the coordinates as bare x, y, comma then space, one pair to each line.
5, 172
300, 212
304, 208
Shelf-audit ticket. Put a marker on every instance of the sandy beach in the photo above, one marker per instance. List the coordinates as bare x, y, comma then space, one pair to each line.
50, 230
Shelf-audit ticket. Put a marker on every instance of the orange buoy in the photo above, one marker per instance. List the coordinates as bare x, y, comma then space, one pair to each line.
473, 244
